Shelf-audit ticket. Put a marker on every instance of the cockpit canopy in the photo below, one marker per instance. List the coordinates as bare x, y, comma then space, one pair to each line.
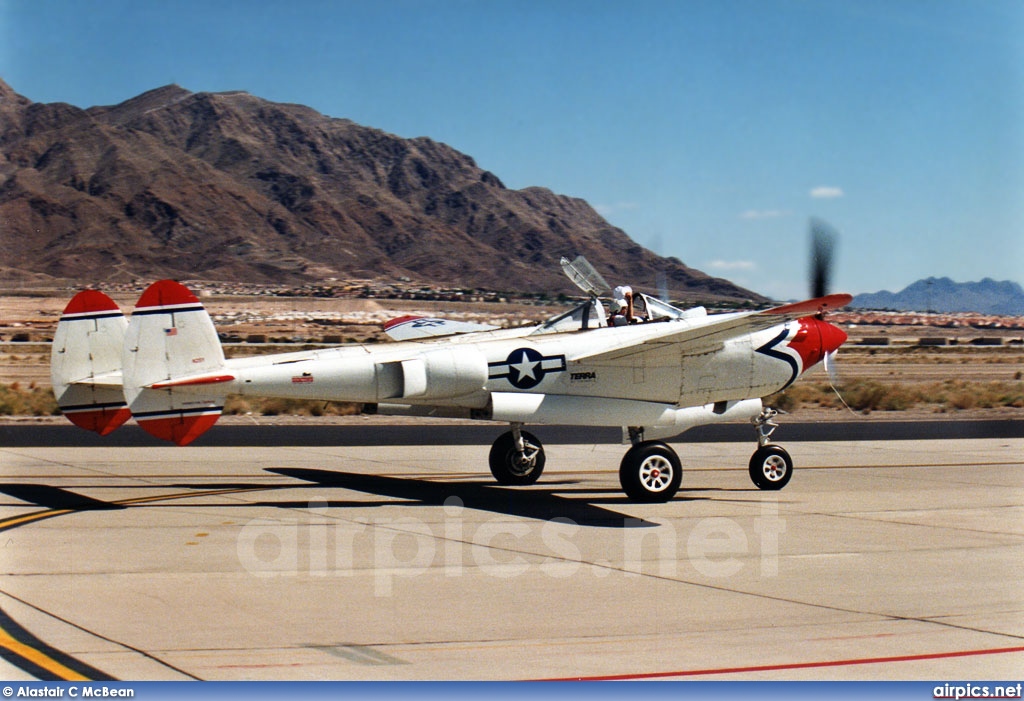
591, 314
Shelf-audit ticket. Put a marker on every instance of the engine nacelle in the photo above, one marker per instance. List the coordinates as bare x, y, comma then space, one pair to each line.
443, 373
432, 375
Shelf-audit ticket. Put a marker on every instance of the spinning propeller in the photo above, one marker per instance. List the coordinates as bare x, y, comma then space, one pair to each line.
823, 245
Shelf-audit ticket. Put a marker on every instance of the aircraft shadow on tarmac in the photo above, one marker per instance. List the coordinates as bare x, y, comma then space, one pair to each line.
552, 500
533, 502
55, 498
685, 494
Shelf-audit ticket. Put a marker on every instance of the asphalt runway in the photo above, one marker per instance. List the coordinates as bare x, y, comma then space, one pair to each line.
882, 559
368, 431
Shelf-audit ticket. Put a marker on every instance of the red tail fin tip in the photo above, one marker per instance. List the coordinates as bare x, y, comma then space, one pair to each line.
102, 420
180, 428
166, 293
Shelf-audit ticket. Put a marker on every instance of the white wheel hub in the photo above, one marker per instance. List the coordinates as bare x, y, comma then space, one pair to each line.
655, 473
774, 467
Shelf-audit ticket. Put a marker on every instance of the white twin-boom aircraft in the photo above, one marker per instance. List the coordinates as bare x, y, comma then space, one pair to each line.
674, 370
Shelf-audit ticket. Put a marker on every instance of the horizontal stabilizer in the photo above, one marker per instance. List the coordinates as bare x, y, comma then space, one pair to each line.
110, 380
85, 362
196, 381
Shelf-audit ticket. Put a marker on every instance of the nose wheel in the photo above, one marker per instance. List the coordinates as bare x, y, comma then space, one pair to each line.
770, 466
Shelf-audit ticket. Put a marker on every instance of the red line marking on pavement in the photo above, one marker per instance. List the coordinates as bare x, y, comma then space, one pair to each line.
261, 666
856, 637
791, 666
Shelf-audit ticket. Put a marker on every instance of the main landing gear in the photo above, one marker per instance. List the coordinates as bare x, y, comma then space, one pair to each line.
517, 457
650, 471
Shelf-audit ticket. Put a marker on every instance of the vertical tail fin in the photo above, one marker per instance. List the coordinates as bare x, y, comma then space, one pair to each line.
85, 362
173, 364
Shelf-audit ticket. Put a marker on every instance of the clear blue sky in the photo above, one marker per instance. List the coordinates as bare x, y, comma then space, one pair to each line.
710, 130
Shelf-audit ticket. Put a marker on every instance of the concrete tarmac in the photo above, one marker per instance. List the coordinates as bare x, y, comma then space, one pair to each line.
880, 560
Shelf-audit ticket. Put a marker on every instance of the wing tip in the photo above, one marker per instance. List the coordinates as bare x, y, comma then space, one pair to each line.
812, 306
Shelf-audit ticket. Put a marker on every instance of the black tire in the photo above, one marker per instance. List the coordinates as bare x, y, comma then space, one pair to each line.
770, 468
650, 472
508, 467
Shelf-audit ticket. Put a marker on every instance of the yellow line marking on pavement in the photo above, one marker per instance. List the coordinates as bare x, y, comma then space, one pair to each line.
39, 658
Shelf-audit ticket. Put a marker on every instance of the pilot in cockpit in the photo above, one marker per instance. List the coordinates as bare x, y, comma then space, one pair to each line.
623, 311
619, 309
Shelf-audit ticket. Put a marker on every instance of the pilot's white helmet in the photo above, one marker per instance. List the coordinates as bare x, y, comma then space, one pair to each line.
622, 291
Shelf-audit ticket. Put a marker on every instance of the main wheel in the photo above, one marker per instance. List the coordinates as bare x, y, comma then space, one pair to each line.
509, 466
650, 472
770, 467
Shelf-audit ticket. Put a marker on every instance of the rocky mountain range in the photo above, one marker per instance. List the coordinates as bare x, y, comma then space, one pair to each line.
945, 296
232, 187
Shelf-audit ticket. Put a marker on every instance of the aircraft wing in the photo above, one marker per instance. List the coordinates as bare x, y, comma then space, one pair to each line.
708, 333
412, 328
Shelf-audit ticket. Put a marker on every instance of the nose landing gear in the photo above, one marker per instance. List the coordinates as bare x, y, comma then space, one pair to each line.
770, 466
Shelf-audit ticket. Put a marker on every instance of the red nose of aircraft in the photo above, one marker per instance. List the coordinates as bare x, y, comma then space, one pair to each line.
831, 336
815, 338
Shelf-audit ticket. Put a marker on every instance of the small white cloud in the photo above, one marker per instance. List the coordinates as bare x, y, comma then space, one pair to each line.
732, 265
763, 214
826, 192
608, 209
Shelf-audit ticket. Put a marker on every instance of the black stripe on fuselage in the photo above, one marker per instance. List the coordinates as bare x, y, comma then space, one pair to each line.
770, 350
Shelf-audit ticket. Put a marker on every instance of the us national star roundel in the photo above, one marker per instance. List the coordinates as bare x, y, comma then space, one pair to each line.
525, 368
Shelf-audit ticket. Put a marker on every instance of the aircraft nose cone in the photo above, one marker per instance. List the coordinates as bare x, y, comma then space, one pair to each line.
815, 340
831, 336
